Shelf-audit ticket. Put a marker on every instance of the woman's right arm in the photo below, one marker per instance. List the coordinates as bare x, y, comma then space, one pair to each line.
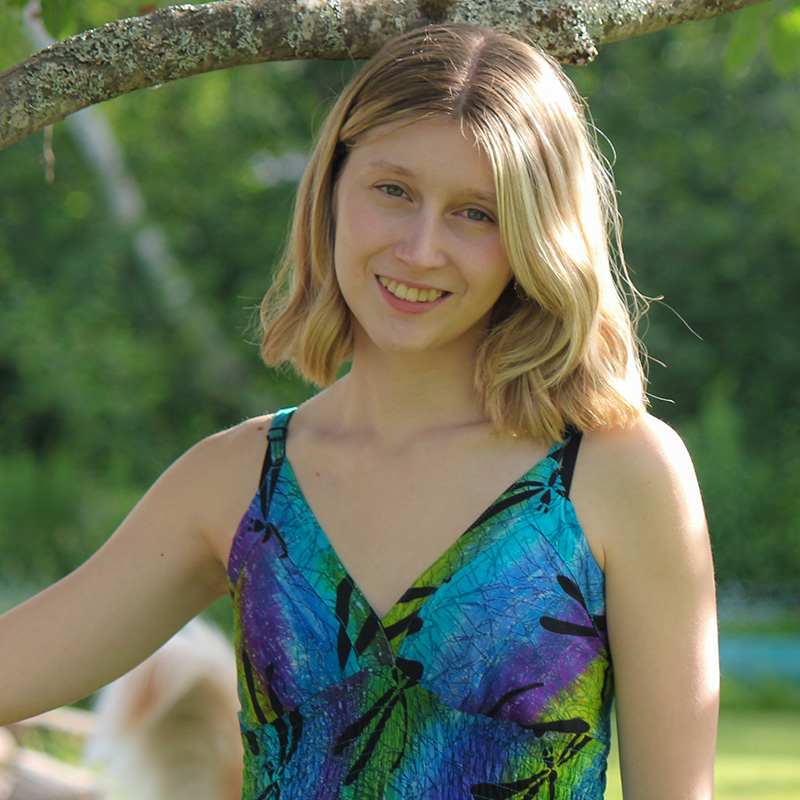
165, 564
637, 494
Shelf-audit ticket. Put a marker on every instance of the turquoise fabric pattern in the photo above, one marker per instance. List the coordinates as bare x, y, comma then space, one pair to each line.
490, 678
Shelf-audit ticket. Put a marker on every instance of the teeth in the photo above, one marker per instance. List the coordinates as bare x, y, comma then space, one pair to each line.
412, 294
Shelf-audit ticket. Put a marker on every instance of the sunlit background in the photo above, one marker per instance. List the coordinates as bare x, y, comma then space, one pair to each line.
136, 242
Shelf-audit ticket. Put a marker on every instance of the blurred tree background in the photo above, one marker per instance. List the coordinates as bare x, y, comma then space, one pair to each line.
105, 371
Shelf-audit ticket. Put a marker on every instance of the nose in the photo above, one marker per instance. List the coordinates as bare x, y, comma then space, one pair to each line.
421, 242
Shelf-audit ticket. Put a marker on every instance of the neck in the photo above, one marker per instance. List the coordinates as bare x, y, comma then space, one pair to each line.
395, 397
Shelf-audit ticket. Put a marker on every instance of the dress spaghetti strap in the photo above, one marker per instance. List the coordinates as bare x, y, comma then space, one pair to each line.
569, 455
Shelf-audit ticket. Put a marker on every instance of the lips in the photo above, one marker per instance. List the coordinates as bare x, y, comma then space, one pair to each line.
411, 294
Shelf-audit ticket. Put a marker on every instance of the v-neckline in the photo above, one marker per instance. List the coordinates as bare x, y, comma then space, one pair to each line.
445, 554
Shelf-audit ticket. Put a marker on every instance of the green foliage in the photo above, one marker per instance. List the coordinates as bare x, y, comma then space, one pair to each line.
13, 47
767, 695
753, 506
56, 16
746, 36
784, 42
708, 170
99, 390
63, 18
55, 514
774, 27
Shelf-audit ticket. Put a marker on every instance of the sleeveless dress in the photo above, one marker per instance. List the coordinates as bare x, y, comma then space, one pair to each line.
489, 678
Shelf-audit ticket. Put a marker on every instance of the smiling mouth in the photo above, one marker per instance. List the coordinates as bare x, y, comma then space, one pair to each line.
410, 293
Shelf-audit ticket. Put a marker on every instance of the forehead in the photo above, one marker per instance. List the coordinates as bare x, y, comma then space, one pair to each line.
431, 147
409, 131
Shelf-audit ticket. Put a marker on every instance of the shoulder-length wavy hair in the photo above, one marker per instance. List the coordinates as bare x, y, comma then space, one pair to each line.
560, 348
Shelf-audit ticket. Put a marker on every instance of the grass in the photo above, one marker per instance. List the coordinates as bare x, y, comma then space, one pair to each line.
758, 756
62, 746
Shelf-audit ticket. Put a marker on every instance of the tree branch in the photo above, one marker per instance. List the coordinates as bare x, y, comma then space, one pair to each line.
180, 41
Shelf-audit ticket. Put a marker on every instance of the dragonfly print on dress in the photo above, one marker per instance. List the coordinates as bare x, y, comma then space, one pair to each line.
545, 779
375, 719
490, 677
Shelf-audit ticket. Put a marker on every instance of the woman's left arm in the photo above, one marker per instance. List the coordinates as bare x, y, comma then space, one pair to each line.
638, 499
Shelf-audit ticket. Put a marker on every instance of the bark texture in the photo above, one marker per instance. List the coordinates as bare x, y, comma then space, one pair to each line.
185, 40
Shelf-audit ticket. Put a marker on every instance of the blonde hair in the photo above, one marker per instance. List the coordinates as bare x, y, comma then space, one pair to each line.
560, 349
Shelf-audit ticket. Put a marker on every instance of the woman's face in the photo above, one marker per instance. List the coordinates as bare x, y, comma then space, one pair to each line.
418, 253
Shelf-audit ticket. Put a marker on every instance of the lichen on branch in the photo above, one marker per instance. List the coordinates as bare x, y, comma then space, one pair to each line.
180, 41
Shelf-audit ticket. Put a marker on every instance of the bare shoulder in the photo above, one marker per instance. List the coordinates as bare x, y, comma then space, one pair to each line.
232, 450
219, 478
638, 458
637, 488
242, 441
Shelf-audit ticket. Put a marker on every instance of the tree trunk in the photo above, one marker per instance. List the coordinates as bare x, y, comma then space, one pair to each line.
185, 40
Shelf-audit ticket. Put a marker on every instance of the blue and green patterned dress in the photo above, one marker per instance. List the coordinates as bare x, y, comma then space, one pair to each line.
490, 678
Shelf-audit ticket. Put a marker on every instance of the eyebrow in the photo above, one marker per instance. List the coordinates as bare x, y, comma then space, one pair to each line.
489, 198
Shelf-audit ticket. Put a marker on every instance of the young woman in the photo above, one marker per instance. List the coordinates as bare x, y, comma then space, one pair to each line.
443, 552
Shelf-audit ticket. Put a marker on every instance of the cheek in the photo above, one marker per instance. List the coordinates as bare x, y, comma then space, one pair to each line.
348, 257
350, 229
496, 270
341, 261
343, 237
